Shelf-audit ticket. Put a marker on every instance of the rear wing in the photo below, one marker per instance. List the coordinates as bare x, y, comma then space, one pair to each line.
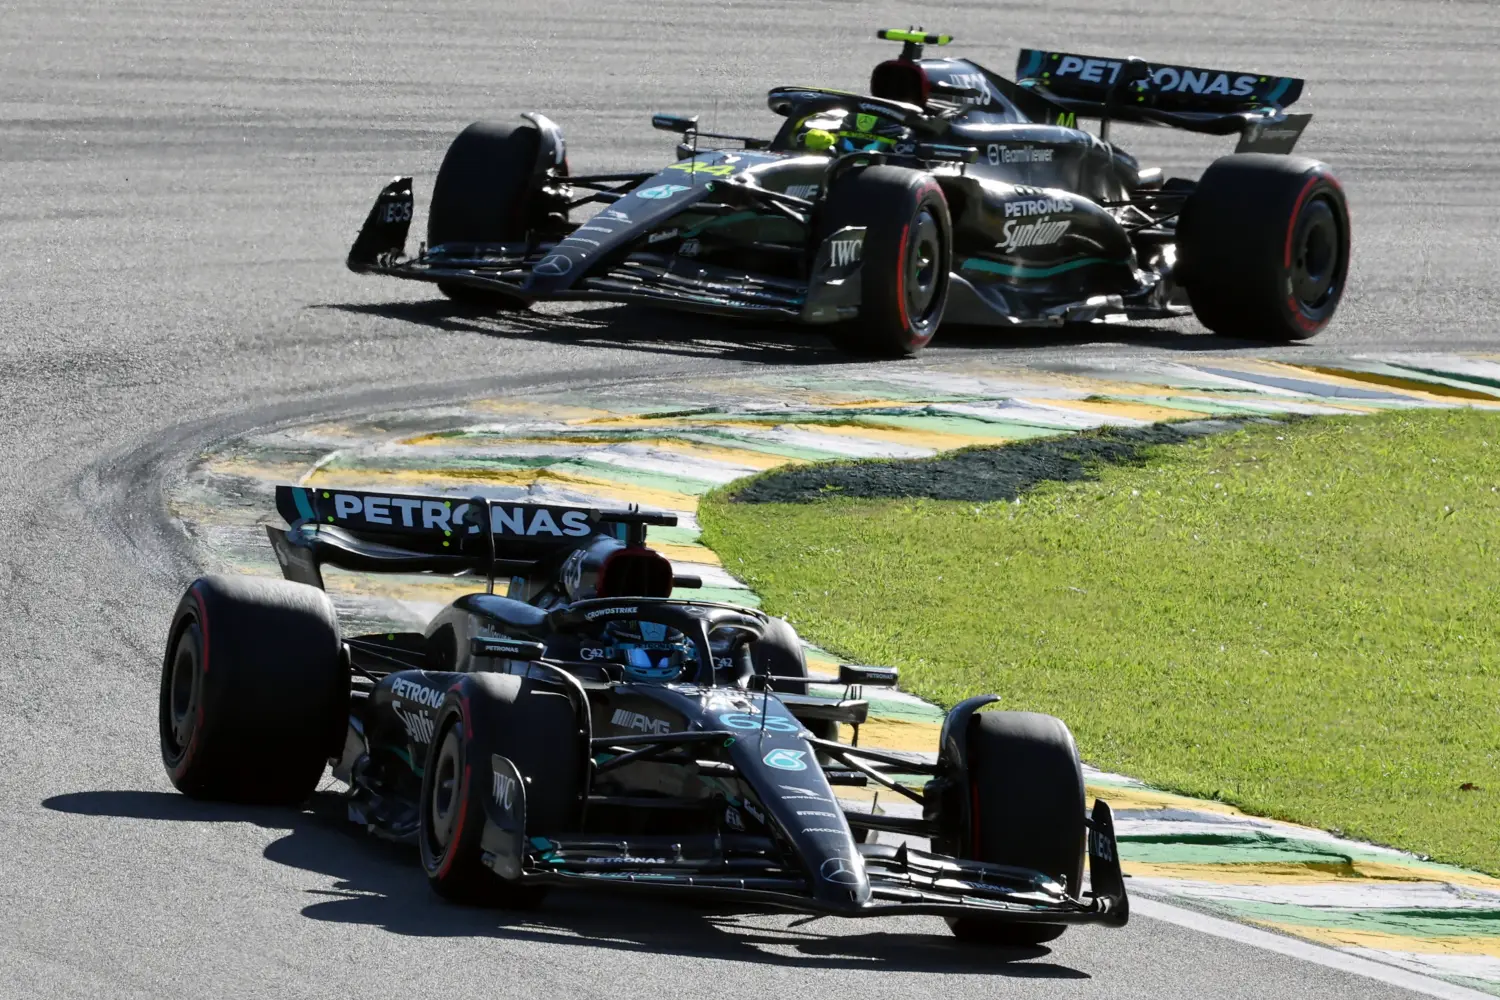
1217, 102
398, 533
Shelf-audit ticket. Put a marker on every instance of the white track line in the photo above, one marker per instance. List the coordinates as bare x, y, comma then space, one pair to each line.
1304, 950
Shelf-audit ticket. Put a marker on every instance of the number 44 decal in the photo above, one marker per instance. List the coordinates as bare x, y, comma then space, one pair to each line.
711, 169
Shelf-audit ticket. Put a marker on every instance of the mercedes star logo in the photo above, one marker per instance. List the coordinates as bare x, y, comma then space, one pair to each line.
839, 870
555, 264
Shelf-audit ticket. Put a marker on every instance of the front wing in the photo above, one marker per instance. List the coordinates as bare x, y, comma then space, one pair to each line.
525, 274
902, 881
751, 869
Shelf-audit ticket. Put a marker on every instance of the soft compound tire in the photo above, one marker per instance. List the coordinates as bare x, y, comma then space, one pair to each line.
254, 690
778, 652
537, 728
481, 195
1263, 247
907, 255
1027, 795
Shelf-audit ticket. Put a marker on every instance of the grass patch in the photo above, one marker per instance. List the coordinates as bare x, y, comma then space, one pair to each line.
1302, 619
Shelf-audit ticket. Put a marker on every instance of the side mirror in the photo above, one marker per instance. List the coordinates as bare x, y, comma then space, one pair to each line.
851, 673
675, 123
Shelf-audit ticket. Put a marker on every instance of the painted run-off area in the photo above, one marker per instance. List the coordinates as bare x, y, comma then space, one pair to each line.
665, 446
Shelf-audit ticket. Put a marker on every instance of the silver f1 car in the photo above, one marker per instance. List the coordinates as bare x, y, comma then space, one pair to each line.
588, 729
949, 192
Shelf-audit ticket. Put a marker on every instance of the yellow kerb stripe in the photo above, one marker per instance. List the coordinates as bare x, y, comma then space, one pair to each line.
895, 734
1383, 941
1110, 408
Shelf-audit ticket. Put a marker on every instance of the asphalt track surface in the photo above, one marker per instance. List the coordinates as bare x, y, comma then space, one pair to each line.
180, 183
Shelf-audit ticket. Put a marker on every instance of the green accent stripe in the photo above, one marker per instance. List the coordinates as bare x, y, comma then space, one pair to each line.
1020, 271
304, 503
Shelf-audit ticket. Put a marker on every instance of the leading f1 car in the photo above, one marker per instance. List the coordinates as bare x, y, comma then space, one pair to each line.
949, 193
589, 729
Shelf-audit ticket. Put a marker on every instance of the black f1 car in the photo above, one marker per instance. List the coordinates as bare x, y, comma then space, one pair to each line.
590, 730
950, 192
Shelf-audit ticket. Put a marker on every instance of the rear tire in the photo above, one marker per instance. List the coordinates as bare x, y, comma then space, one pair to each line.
533, 725
1263, 247
482, 195
254, 690
1028, 801
906, 258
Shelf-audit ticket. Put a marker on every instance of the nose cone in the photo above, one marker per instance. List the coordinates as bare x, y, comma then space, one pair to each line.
840, 879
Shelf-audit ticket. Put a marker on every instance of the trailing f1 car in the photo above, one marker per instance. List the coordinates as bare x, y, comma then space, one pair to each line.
948, 193
588, 729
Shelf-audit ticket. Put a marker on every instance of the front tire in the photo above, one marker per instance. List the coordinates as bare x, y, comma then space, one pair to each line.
1263, 247
484, 194
537, 728
1026, 792
905, 262
254, 690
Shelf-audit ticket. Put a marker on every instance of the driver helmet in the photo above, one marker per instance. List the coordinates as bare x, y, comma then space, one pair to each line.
651, 653
838, 131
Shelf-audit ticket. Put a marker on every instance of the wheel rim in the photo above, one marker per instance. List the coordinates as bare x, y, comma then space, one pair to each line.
182, 683
924, 265
1316, 249
443, 806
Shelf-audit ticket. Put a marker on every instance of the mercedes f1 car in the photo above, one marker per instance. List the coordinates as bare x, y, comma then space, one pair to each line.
588, 729
949, 193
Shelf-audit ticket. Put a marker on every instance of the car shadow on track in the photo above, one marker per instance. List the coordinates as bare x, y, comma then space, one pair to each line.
659, 331
379, 884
